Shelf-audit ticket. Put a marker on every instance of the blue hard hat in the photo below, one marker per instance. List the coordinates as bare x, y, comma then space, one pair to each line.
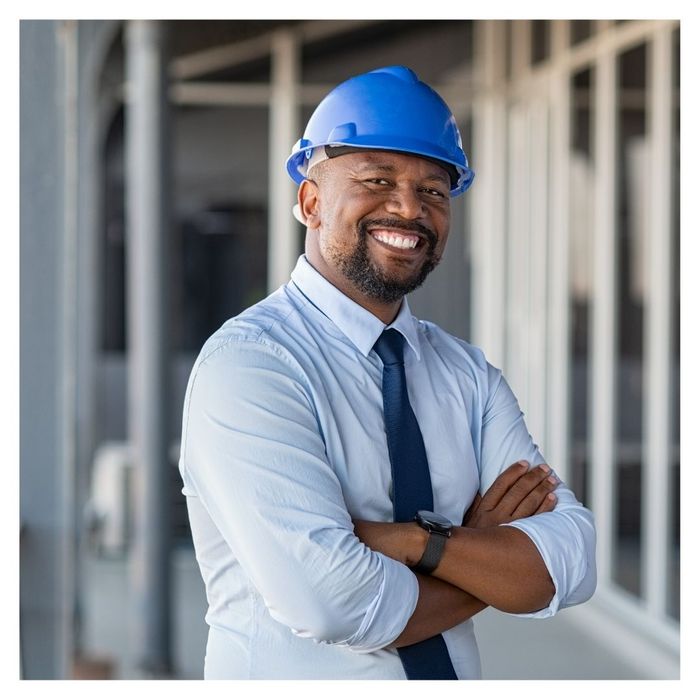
385, 109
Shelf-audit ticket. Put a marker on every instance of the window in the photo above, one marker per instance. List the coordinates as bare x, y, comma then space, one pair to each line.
631, 232
609, 374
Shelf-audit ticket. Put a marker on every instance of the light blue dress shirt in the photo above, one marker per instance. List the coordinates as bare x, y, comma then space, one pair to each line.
284, 443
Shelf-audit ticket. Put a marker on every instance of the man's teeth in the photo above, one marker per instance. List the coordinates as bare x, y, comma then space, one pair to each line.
396, 241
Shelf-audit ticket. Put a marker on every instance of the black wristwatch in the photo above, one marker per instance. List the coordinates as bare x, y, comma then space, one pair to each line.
439, 529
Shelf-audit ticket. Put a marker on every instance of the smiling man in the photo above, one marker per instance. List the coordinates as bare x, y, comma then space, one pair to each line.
360, 483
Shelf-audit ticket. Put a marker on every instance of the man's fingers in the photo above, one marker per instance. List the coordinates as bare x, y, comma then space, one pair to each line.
523, 487
548, 504
534, 500
503, 483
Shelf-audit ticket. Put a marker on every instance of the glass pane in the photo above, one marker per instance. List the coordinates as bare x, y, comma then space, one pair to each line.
224, 267
581, 188
633, 147
675, 553
113, 242
581, 29
540, 40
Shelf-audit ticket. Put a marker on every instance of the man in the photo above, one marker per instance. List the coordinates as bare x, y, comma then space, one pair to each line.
360, 484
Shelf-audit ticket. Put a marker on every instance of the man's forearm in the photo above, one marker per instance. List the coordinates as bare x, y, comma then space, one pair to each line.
499, 565
440, 607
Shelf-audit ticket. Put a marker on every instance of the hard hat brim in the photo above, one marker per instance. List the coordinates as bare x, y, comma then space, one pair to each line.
297, 171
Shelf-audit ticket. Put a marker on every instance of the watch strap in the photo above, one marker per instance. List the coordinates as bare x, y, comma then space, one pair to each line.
432, 554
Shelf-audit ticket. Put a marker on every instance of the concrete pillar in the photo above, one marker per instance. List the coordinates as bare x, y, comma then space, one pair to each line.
47, 367
283, 234
147, 225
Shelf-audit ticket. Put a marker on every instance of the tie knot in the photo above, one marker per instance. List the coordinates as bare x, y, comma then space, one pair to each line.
389, 347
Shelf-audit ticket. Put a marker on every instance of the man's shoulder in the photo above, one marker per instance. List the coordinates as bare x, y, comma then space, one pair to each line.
257, 328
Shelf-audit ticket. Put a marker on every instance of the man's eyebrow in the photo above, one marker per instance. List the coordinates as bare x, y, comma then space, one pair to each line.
438, 178
389, 169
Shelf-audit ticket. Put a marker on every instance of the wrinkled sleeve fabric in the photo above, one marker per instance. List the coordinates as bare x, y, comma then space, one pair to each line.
255, 457
565, 537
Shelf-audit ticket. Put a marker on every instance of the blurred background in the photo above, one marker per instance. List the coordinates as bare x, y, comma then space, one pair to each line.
154, 205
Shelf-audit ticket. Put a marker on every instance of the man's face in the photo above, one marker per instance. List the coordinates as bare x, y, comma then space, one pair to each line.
382, 222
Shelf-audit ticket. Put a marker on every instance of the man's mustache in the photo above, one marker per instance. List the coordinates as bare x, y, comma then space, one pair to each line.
410, 226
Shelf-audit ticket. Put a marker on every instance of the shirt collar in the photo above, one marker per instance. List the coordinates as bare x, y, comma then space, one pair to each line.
360, 326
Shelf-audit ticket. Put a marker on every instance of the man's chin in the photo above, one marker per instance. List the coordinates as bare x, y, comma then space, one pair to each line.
389, 290
373, 281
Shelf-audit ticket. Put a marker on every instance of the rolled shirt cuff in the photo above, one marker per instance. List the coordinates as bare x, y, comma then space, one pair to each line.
565, 564
391, 610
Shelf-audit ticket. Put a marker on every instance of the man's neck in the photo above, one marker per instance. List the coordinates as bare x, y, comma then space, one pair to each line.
385, 312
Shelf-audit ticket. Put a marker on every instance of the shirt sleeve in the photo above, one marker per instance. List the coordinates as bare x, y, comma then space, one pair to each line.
564, 537
254, 455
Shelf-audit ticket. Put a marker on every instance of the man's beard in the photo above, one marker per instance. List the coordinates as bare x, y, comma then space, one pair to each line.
372, 281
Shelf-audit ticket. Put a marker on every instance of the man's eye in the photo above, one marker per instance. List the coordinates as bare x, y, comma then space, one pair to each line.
378, 181
433, 192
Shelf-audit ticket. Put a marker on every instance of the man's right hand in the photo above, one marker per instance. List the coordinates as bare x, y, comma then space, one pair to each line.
518, 492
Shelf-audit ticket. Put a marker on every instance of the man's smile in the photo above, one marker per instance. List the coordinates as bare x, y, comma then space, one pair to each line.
400, 237
396, 239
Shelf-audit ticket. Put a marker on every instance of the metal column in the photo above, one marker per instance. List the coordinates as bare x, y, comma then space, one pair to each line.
488, 213
517, 254
658, 333
68, 35
146, 204
603, 329
539, 329
45, 388
283, 247
558, 264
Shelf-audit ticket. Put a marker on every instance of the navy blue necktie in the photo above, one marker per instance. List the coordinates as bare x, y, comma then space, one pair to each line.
413, 491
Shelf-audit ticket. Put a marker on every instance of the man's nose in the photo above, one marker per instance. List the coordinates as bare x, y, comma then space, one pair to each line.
406, 203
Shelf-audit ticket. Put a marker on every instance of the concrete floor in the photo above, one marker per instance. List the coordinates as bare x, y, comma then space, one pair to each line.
554, 649
511, 648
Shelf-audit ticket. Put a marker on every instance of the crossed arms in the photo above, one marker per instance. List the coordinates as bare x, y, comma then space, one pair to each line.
482, 564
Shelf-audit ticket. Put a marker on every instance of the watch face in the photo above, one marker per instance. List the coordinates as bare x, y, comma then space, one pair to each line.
433, 521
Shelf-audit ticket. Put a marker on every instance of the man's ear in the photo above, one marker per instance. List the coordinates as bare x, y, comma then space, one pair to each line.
309, 203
